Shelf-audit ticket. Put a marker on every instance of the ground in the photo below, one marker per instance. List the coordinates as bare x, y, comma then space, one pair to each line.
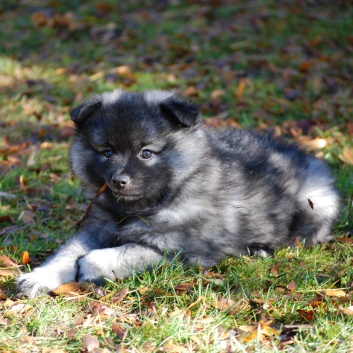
279, 65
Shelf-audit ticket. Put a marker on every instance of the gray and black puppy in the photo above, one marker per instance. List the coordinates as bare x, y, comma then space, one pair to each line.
176, 188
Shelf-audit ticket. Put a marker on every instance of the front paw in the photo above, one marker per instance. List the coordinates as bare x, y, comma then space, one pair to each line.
95, 268
37, 282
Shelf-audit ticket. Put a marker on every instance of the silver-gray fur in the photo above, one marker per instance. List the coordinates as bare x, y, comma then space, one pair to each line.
177, 188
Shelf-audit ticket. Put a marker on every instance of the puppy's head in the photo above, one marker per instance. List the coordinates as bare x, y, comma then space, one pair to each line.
138, 143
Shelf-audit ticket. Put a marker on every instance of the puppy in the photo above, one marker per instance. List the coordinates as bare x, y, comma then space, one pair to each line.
177, 188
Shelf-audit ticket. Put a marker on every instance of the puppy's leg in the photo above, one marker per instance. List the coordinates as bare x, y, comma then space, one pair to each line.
116, 262
58, 269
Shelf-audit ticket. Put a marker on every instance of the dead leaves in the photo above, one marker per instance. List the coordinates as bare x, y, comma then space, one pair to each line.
66, 288
11, 268
260, 331
54, 20
90, 343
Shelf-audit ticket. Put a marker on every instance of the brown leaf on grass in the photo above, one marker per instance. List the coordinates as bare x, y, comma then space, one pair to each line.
305, 66
27, 217
18, 308
307, 315
90, 343
7, 261
7, 272
46, 145
25, 258
120, 295
347, 311
275, 269
5, 219
345, 240
259, 331
170, 347
339, 293
184, 287
292, 286
224, 304
144, 290
347, 156
100, 309
55, 177
191, 91
67, 129
119, 330
66, 288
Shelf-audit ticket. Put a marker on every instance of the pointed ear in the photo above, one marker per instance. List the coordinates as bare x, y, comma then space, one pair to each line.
180, 112
85, 110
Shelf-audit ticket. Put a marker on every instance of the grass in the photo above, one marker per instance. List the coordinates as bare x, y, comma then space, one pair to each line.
284, 66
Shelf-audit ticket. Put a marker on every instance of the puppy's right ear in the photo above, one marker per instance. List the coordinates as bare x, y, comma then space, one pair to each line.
85, 110
180, 112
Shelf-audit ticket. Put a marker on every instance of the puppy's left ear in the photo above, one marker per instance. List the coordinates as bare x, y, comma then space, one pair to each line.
85, 110
180, 112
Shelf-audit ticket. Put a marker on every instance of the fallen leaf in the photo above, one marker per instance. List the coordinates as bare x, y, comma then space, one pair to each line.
275, 269
7, 261
119, 330
5, 219
66, 288
46, 145
251, 336
18, 308
307, 315
120, 295
347, 156
6, 272
305, 66
184, 287
173, 348
191, 91
144, 290
25, 258
224, 304
347, 311
90, 343
292, 286
259, 330
344, 240
27, 217
335, 293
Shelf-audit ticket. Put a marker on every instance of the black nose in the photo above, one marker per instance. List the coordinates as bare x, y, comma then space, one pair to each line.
120, 181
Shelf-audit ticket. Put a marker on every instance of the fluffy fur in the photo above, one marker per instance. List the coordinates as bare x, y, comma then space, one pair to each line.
176, 188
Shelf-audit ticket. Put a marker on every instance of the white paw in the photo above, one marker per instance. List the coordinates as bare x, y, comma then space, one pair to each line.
45, 278
39, 281
96, 266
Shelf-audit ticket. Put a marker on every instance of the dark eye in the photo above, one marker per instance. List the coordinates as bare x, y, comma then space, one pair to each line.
107, 153
146, 154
